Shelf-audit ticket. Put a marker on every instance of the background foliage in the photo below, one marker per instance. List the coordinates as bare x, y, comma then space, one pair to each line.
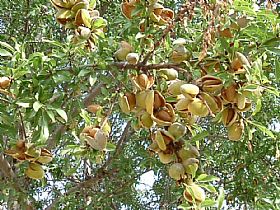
54, 81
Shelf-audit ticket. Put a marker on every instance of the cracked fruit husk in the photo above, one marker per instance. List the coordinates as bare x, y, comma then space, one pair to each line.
197, 192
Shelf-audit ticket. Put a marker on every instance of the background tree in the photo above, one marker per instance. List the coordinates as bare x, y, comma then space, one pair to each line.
51, 73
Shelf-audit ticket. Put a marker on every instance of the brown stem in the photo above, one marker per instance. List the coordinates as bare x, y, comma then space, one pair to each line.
22, 127
158, 43
5, 167
168, 29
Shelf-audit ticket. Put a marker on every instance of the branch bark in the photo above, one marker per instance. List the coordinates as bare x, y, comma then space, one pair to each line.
5, 167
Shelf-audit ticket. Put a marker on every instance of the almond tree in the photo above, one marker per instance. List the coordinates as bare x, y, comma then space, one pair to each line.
94, 94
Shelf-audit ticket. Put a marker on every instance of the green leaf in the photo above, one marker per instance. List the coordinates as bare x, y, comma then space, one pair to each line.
263, 129
51, 115
258, 107
37, 105
84, 72
6, 45
62, 114
5, 53
98, 23
208, 187
92, 4
22, 104
273, 42
171, 99
207, 178
250, 133
200, 136
110, 147
44, 134
273, 91
84, 114
92, 80
208, 202
185, 206
277, 70
221, 198
250, 87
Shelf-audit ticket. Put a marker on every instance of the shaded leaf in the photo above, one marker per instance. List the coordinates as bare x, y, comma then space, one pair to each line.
208, 203
277, 70
263, 129
6, 45
207, 178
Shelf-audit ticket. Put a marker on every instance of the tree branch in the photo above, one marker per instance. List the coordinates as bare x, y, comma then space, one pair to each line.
51, 142
92, 94
101, 172
125, 65
119, 146
5, 167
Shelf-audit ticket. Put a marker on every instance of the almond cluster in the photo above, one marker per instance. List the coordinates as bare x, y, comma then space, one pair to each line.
95, 136
84, 20
158, 14
168, 121
23, 151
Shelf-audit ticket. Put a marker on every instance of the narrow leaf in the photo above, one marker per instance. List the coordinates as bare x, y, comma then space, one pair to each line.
221, 198
208, 203
92, 4
263, 129
22, 104
110, 147
207, 178
200, 136
6, 45
99, 23
250, 87
5, 53
258, 107
44, 135
277, 70
209, 188
62, 114
51, 115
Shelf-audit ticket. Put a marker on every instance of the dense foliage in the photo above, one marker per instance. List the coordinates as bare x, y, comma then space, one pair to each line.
73, 136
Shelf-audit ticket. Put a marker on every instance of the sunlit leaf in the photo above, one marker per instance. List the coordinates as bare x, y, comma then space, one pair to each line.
62, 114
221, 198
5, 53
37, 105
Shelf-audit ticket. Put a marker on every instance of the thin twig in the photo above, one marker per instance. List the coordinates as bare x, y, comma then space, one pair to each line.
168, 29
119, 146
22, 127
